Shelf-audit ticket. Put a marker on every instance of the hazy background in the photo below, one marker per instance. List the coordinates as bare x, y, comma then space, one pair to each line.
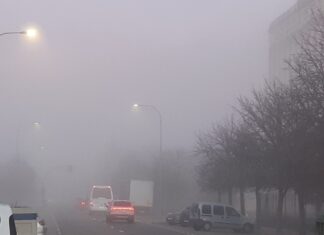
189, 58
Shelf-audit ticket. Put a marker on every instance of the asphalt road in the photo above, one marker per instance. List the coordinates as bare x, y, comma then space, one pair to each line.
76, 222
66, 220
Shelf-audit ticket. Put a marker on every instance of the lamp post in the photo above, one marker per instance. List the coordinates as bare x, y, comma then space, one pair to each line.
157, 111
152, 107
30, 33
35, 126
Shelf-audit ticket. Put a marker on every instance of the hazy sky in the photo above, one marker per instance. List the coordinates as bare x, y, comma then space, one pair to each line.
189, 58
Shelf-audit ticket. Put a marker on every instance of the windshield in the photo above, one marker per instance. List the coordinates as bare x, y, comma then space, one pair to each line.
101, 193
122, 204
164, 104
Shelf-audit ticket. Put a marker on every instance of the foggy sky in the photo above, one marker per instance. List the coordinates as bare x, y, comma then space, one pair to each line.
189, 58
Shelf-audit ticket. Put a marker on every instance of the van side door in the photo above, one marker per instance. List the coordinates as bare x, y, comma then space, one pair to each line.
232, 218
218, 216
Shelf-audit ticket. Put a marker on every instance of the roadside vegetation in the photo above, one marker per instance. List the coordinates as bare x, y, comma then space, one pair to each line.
274, 140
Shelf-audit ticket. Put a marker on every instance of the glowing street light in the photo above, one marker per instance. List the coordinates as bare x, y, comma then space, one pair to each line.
30, 33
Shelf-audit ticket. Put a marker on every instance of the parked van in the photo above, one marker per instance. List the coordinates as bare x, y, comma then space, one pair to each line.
208, 215
7, 222
100, 198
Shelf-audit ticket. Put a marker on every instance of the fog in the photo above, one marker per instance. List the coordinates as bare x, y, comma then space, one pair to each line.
95, 59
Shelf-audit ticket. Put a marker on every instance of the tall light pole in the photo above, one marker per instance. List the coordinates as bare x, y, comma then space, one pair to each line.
35, 126
152, 107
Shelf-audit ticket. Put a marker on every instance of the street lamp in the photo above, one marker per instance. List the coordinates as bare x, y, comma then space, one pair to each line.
35, 125
30, 33
152, 107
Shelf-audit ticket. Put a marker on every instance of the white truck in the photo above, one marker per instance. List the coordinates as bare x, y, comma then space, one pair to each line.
27, 222
141, 194
7, 224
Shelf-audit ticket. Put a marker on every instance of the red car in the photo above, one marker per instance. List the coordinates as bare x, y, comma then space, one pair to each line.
120, 210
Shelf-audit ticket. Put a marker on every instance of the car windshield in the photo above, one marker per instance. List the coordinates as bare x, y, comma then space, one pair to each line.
122, 204
101, 193
212, 105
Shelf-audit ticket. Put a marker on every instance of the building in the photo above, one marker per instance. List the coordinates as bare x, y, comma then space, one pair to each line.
283, 34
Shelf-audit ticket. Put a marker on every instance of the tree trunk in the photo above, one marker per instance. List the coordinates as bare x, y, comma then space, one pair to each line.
302, 213
230, 196
266, 204
318, 206
242, 200
281, 197
219, 192
258, 208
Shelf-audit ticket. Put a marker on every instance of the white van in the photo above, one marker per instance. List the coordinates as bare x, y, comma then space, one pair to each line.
100, 198
208, 215
7, 222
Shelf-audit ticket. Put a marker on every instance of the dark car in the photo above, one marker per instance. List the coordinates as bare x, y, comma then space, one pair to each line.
173, 218
182, 218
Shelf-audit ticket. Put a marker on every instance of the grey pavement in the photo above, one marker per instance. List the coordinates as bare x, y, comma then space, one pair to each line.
73, 221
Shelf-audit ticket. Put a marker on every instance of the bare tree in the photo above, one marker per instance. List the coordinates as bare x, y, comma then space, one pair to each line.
267, 116
307, 87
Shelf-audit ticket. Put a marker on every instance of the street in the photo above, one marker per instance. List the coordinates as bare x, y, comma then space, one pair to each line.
71, 221
67, 220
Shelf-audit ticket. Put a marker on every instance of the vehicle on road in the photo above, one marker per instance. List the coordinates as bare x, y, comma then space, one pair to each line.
182, 217
120, 210
100, 198
7, 223
141, 194
208, 215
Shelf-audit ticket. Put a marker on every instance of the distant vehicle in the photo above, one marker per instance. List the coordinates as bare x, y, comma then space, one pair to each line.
182, 218
7, 223
141, 194
121, 210
208, 215
100, 198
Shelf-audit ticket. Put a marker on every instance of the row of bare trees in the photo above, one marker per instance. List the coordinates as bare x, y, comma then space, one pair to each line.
275, 138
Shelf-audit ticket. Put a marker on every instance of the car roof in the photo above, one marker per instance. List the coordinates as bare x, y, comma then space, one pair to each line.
213, 203
101, 186
122, 201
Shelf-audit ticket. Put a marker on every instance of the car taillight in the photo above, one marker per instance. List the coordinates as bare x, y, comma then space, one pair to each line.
83, 203
122, 209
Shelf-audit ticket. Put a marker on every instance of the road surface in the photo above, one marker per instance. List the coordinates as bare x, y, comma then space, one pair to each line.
64, 221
